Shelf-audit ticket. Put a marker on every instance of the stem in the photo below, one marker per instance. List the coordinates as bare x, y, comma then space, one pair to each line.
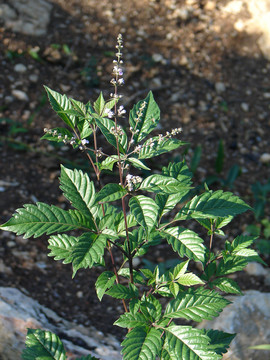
211, 236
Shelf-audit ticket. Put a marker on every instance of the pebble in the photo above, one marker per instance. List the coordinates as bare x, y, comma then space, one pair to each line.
220, 87
265, 158
33, 78
20, 95
20, 68
245, 107
266, 95
157, 58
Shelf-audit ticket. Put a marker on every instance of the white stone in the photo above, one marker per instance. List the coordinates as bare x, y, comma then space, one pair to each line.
157, 57
33, 78
266, 95
20, 95
265, 158
220, 87
256, 269
245, 107
20, 68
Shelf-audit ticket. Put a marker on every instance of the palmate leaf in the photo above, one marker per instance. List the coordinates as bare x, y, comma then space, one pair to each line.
78, 189
43, 345
87, 251
60, 103
39, 219
212, 205
186, 343
196, 305
185, 242
104, 282
61, 247
106, 127
163, 184
110, 192
145, 211
147, 121
142, 344
153, 147
130, 320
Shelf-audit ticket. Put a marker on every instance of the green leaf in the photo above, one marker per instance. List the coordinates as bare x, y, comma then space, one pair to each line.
104, 282
196, 305
151, 308
163, 184
186, 242
180, 269
43, 345
241, 242
99, 104
144, 117
137, 163
65, 134
260, 347
79, 106
145, 211
89, 357
184, 342
108, 163
167, 202
84, 129
154, 147
141, 344
219, 340
78, 189
87, 251
227, 285
60, 103
107, 128
131, 320
231, 265
189, 279
39, 219
212, 205
61, 247
110, 192
120, 291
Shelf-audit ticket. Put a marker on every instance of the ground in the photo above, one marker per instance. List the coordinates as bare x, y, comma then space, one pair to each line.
206, 77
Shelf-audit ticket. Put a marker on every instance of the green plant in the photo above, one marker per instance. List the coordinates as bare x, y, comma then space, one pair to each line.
260, 193
130, 216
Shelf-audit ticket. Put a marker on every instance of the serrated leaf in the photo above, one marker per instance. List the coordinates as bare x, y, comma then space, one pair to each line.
79, 106
154, 147
185, 242
212, 205
188, 343
167, 202
99, 104
227, 285
163, 184
196, 305
189, 279
110, 192
104, 282
141, 344
87, 251
120, 291
145, 211
148, 119
136, 275
151, 308
174, 288
131, 320
108, 163
78, 189
241, 242
58, 130
137, 163
180, 269
231, 265
39, 219
107, 128
43, 345
61, 247
219, 340
84, 129
60, 103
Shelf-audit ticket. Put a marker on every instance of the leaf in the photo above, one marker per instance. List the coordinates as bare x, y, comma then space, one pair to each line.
231, 265
219, 340
104, 282
260, 347
137, 163
106, 126
241, 242
131, 320
167, 202
141, 344
144, 117
163, 184
189, 279
61, 247
212, 205
186, 242
99, 104
87, 251
188, 343
110, 192
60, 103
39, 219
79, 106
108, 163
65, 134
153, 147
88, 357
227, 285
78, 189
120, 291
180, 269
84, 129
145, 211
196, 305
43, 345
151, 308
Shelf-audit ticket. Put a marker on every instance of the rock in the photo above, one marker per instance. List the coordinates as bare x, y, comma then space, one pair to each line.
33, 78
220, 87
245, 107
20, 95
256, 269
20, 68
29, 17
19, 312
265, 158
249, 317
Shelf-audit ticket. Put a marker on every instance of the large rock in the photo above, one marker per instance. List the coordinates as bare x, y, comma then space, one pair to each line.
19, 312
29, 17
249, 317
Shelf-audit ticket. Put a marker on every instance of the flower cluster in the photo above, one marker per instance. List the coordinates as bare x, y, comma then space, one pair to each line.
132, 180
117, 131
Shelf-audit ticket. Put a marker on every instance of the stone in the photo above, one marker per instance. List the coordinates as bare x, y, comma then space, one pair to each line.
220, 87
245, 107
265, 158
19, 312
20, 95
249, 317
256, 269
33, 78
20, 68
29, 17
